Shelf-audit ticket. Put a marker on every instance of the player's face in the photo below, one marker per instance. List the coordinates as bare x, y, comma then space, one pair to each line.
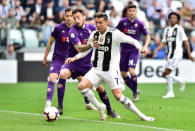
173, 19
79, 19
69, 18
101, 24
132, 13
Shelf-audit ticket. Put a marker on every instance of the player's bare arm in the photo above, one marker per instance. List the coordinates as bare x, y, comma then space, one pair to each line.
147, 42
48, 47
80, 48
159, 48
186, 43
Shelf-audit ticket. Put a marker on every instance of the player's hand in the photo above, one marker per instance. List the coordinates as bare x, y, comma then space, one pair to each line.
192, 59
154, 53
69, 60
144, 50
95, 44
45, 63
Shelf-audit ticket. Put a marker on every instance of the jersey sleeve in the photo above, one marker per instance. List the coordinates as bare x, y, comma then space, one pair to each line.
143, 29
90, 39
54, 32
183, 35
122, 38
73, 37
164, 39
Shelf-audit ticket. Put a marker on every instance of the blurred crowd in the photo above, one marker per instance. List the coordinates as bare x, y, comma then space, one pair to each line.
29, 23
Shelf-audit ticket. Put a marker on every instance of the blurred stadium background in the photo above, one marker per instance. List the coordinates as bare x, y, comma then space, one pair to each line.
25, 27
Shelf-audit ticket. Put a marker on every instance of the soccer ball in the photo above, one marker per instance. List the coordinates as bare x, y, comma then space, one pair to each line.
51, 114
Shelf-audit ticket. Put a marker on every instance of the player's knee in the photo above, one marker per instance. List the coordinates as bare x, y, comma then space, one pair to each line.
63, 75
53, 79
81, 86
132, 72
124, 74
100, 89
117, 94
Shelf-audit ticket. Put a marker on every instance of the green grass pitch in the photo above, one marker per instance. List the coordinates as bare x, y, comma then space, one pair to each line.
22, 104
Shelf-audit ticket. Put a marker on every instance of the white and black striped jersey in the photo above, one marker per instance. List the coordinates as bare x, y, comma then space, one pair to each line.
174, 37
107, 56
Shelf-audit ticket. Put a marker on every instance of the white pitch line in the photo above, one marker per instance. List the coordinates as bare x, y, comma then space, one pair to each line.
106, 122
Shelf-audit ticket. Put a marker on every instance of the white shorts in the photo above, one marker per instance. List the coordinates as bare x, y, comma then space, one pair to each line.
172, 63
112, 78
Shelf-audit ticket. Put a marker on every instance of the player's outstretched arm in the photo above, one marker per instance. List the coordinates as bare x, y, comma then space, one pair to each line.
80, 48
48, 47
159, 48
78, 56
186, 43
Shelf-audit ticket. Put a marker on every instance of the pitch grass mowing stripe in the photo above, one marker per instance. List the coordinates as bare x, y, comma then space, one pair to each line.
79, 119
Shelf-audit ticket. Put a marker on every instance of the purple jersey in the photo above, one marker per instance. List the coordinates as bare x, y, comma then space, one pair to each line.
80, 35
60, 33
133, 29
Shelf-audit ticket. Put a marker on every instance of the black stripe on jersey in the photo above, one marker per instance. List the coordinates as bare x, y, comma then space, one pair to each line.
96, 36
166, 40
107, 54
174, 34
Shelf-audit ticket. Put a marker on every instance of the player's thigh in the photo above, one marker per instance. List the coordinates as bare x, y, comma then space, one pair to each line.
93, 77
124, 60
65, 73
113, 79
53, 77
133, 59
84, 84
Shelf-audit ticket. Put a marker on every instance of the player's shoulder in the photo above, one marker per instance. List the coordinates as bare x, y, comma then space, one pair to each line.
124, 20
90, 27
179, 27
110, 29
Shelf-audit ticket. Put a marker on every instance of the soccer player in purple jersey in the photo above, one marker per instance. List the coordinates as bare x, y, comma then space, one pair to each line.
60, 35
78, 36
129, 54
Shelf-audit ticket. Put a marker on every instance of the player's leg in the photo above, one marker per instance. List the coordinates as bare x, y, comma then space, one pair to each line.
124, 62
88, 104
61, 90
179, 80
167, 75
50, 88
134, 83
91, 79
105, 99
117, 92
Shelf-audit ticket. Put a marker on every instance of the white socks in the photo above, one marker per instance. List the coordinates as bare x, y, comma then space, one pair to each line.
169, 79
129, 105
91, 97
177, 79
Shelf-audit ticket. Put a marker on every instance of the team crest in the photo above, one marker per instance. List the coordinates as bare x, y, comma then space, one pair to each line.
125, 23
136, 25
72, 35
108, 40
101, 39
51, 68
63, 31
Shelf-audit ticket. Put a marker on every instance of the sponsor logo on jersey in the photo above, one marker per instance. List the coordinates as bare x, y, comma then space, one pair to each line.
63, 39
131, 31
136, 25
72, 35
171, 39
103, 48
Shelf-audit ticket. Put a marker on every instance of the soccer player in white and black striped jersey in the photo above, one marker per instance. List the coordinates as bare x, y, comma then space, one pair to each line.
173, 38
106, 65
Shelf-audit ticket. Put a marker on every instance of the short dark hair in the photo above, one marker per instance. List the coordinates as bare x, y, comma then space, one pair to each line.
101, 15
174, 13
131, 6
68, 10
78, 10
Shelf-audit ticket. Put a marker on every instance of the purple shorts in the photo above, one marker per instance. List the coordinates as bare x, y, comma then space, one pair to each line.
77, 70
55, 66
128, 60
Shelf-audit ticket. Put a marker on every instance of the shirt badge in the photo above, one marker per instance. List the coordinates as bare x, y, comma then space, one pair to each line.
72, 35
136, 25
63, 31
125, 23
